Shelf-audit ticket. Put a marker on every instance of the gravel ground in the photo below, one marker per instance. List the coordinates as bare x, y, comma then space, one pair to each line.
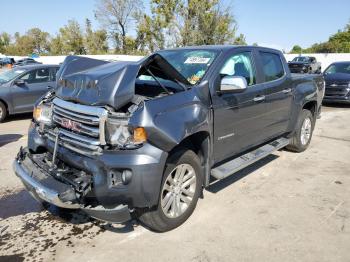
286, 207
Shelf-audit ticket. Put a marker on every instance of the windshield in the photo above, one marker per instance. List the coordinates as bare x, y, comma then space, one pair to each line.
9, 75
301, 59
191, 63
343, 68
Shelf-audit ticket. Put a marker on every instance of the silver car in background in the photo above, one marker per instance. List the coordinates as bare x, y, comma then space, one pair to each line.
22, 86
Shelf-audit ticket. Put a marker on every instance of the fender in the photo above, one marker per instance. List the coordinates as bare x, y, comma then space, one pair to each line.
306, 90
171, 119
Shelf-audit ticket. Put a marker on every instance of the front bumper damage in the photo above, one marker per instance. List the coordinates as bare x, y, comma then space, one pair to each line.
90, 183
43, 187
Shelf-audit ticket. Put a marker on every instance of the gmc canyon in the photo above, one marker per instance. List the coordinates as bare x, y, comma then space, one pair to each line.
142, 139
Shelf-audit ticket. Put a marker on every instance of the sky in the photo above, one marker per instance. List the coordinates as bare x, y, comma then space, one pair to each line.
273, 23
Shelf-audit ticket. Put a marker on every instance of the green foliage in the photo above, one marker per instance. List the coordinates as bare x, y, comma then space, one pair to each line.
5, 39
171, 23
337, 43
95, 41
240, 40
72, 39
296, 50
176, 23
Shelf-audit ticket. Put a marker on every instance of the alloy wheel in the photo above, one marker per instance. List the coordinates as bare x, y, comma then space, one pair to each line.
178, 190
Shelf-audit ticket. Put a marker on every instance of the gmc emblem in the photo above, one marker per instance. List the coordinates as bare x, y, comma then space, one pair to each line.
70, 124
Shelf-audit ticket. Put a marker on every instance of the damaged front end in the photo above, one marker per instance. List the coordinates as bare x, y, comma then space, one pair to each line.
99, 141
63, 186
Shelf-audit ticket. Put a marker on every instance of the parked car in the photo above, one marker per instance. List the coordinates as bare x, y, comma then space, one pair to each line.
21, 86
305, 64
144, 138
26, 61
337, 78
6, 61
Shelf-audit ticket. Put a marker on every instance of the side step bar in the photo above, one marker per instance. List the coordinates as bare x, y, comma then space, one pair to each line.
249, 158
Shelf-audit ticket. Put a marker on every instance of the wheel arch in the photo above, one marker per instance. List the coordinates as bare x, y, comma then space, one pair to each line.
199, 143
6, 105
311, 106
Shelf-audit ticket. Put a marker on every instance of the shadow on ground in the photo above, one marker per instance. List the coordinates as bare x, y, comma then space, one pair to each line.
22, 116
9, 138
21, 203
218, 185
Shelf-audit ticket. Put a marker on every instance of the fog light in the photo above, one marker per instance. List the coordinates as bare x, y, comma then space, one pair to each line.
114, 178
126, 176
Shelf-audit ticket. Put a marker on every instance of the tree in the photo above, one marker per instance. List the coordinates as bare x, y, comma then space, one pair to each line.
118, 15
38, 40
95, 41
296, 50
70, 39
186, 22
5, 39
240, 40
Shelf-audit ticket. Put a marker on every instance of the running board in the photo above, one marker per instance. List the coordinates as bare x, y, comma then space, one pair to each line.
249, 158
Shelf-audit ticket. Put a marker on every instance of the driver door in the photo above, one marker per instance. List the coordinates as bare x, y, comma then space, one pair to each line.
238, 116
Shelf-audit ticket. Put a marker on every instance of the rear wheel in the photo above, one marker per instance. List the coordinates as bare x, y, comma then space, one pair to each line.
3, 111
180, 190
302, 137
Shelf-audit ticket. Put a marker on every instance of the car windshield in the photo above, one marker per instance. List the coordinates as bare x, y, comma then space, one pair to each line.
301, 59
191, 63
343, 68
9, 75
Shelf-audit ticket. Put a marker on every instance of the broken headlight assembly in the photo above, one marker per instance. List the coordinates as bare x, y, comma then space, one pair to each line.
43, 114
120, 134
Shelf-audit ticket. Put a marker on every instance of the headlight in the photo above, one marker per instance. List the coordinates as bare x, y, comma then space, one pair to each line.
118, 133
43, 114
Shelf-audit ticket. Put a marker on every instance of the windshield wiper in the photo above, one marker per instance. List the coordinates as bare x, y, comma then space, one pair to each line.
159, 83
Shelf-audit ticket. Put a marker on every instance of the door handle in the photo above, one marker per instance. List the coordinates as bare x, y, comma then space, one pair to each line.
259, 98
288, 90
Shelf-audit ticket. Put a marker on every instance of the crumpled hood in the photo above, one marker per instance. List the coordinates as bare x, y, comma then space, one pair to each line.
95, 82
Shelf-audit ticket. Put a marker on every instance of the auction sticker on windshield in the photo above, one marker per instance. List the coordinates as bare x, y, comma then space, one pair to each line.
197, 60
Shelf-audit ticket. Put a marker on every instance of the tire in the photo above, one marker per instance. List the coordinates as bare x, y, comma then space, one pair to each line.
166, 216
303, 134
3, 112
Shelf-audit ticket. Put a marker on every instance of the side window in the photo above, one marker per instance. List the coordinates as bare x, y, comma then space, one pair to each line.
28, 77
240, 65
42, 75
272, 66
37, 76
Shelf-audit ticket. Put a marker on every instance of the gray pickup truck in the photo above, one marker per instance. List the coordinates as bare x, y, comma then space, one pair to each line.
142, 139
305, 64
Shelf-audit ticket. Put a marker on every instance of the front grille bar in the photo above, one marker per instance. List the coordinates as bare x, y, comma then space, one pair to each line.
90, 115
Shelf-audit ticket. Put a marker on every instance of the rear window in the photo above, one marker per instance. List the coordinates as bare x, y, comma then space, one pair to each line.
272, 66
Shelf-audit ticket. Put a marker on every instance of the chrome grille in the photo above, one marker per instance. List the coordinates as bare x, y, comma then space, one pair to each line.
81, 127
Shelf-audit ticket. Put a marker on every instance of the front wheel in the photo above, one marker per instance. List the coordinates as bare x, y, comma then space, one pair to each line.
302, 137
180, 190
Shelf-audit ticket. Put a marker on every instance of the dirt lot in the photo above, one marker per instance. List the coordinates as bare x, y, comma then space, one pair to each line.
287, 207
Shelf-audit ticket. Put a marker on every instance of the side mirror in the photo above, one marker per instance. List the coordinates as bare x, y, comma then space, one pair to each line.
233, 84
19, 82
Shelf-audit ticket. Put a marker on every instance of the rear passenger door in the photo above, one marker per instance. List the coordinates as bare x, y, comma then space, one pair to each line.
278, 93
